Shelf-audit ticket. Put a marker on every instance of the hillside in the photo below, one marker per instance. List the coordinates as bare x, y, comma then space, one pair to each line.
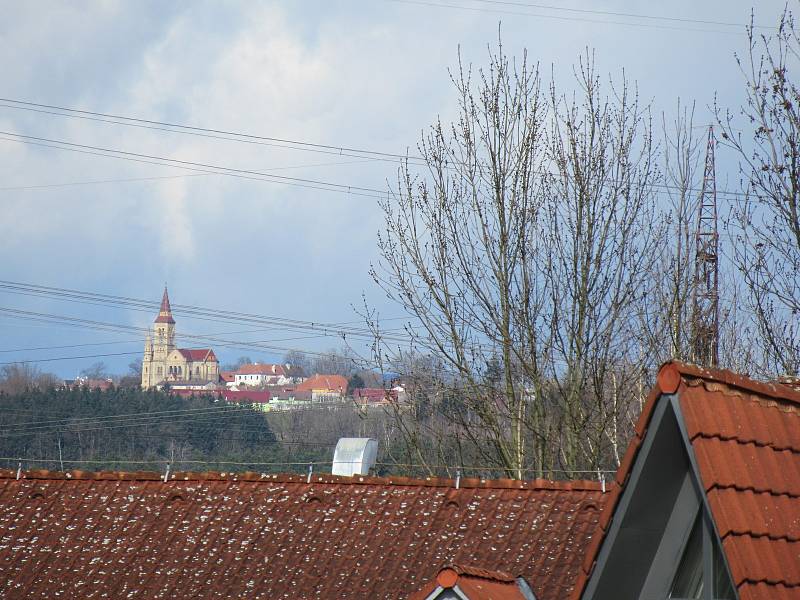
134, 429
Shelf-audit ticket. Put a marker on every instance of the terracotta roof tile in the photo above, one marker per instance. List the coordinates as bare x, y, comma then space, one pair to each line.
747, 466
204, 535
745, 437
197, 354
763, 560
760, 591
336, 383
474, 583
759, 514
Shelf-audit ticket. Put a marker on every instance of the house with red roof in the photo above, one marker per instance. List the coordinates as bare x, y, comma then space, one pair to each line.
324, 388
256, 535
374, 396
260, 375
707, 499
705, 505
456, 582
258, 399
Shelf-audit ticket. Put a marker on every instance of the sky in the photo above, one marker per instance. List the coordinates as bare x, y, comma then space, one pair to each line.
364, 74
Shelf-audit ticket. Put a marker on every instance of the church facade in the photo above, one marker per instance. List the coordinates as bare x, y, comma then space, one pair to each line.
165, 363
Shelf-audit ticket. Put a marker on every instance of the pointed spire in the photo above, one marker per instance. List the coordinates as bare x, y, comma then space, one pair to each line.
165, 313
165, 301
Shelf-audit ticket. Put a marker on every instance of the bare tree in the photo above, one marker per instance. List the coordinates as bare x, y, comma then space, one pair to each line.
665, 320
336, 362
20, 377
523, 251
98, 370
299, 360
765, 219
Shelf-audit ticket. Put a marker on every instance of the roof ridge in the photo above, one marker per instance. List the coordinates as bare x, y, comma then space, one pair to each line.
668, 371
481, 573
251, 476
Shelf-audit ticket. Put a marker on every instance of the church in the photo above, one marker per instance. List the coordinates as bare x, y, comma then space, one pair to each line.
164, 363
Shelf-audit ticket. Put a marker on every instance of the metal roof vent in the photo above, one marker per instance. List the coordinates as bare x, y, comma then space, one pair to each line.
354, 456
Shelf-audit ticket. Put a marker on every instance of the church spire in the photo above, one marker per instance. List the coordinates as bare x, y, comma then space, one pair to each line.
165, 313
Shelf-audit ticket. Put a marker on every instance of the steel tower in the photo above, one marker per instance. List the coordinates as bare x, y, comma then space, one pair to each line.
705, 300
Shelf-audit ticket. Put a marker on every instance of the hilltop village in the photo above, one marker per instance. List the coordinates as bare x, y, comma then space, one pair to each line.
193, 371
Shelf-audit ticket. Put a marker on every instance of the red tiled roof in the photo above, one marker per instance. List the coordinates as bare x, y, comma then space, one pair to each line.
374, 394
475, 584
235, 535
335, 383
251, 396
745, 436
165, 312
198, 354
261, 369
227, 375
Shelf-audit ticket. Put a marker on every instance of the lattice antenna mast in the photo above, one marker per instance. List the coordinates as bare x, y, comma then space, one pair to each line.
705, 301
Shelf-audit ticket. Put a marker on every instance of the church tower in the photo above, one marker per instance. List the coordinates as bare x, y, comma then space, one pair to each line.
165, 364
156, 350
163, 330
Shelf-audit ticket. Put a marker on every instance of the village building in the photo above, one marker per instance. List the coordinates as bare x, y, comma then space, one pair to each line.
165, 363
374, 396
325, 388
705, 506
260, 375
707, 501
254, 535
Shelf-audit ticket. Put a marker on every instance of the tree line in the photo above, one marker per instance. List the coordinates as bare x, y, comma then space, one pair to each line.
132, 429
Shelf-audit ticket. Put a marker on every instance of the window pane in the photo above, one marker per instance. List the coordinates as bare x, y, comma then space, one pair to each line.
689, 578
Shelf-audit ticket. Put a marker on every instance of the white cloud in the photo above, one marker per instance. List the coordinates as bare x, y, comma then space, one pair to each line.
359, 74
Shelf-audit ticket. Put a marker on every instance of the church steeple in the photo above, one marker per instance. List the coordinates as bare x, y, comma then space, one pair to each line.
164, 330
165, 313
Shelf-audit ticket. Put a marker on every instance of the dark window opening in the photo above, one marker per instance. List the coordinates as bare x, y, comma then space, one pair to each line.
690, 577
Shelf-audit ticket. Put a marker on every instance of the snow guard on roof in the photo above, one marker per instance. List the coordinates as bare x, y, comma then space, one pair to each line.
354, 456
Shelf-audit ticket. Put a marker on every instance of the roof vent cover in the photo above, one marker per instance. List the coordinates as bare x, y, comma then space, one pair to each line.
354, 456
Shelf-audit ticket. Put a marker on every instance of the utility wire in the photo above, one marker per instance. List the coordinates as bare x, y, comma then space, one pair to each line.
158, 178
206, 132
338, 329
202, 167
617, 14
159, 413
485, 9
306, 463
361, 153
206, 339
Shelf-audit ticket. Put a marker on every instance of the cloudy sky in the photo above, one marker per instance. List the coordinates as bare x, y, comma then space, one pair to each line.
364, 74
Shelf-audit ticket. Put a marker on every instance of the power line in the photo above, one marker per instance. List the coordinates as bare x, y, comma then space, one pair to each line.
202, 168
453, 467
143, 421
176, 411
206, 132
343, 329
617, 14
166, 460
158, 178
70, 346
63, 358
562, 18
198, 166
